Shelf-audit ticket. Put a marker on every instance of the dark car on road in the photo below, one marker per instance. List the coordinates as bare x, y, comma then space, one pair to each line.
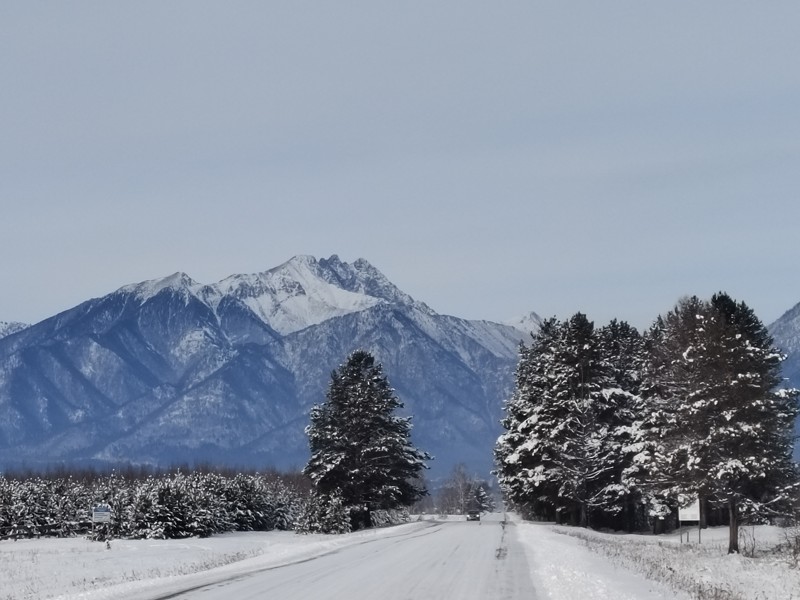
474, 515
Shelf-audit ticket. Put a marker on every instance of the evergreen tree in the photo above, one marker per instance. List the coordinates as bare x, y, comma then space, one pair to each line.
556, 458
583, 465
525, 453
716, 426
569, 424
483, 498
617, 502
670, 374
743, 426
361, 452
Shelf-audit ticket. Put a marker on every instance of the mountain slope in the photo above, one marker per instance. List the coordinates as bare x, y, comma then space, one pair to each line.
8, 328
786, 334
173, 370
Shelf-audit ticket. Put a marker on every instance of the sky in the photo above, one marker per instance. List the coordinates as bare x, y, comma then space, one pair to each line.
490, 158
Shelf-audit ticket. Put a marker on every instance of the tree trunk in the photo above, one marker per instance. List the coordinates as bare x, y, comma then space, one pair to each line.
658, 526
703, 524
733, 537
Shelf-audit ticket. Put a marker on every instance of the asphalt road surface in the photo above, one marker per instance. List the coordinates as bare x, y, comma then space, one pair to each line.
451, 559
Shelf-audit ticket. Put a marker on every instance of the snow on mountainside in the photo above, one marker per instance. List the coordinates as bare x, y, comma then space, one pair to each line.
7, 328
786, 334
177, 282
301, 292
527, 324
173, 370
786, 330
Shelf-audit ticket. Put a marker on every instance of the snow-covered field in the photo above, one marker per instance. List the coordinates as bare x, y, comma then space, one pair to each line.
764, 571
78, 568
564, 563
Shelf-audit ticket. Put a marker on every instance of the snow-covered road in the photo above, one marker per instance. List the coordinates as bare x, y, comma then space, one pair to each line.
429, 558
460, 560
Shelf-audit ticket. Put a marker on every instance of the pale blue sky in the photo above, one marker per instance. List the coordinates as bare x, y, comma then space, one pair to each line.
491, 158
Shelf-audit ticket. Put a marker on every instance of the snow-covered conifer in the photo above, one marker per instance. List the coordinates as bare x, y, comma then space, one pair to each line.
716, 425
616, 502
742, 424
483, 498
360, 450
524, 453
569, 421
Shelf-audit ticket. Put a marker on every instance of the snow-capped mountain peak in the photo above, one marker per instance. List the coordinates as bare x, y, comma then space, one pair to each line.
362, 277
301, 292
527, 324
178, 282
171, 369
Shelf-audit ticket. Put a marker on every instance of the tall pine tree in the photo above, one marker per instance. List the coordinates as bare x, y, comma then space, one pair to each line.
524, 454
745, 436
716, 426
361, 453
580, 464
670, 374
569, 422
617, 501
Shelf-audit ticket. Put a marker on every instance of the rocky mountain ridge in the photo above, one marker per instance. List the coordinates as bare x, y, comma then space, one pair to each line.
172, 370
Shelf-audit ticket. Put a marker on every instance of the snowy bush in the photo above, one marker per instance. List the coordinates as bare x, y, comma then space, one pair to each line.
168, 506
324, 514
36, 507
384, 518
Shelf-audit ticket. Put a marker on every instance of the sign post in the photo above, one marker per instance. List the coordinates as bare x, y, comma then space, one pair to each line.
690, 513
100, 514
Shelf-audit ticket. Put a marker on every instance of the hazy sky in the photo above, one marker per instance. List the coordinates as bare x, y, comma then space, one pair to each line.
491, 158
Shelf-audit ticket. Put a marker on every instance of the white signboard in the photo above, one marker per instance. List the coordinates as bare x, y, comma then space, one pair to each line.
101, 514
690, 513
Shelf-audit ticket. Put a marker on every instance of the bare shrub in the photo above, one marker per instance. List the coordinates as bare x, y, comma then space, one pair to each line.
791, 544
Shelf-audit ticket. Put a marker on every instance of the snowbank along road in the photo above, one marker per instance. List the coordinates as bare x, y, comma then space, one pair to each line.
456, 559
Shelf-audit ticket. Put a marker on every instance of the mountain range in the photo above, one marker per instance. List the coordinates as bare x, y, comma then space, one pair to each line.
171, 370
174, 371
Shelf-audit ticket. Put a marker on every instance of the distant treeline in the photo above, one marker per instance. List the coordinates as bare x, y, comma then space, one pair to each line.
138, 472
146, 503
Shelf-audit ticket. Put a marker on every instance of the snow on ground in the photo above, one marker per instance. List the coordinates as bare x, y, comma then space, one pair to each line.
565, 570
565, 563
76, 568
701, 570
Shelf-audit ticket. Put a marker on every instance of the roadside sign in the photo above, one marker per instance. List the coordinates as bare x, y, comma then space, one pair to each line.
101, 514
690, 513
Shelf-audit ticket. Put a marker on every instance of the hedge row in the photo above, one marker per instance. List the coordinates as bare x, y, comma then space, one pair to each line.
166, 506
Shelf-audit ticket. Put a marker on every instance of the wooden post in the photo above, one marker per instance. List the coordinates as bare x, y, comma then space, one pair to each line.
733, 531
703, 516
